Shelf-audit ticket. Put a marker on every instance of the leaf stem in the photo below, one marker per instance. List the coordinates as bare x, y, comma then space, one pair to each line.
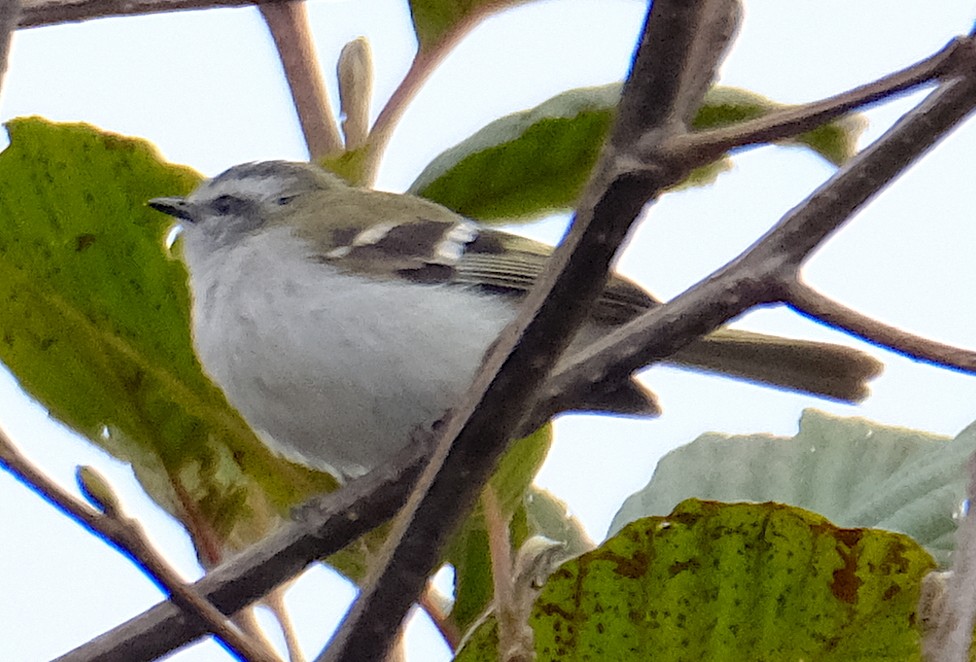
288, 23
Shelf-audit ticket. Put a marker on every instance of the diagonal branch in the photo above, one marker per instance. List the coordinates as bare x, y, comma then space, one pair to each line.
807, 301
37, 13
127, 536
324, 526
423, 65
477, 433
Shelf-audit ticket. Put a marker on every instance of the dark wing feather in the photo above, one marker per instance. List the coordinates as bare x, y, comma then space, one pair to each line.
448, 250
515, 272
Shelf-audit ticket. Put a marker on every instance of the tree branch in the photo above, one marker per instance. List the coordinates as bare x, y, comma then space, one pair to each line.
756, 277
515, 637
37, 13
789, 122
807, 301
127, 536
9, 16
322, 527
423, 64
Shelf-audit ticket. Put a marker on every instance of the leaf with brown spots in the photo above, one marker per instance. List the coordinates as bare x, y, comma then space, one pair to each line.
716, 581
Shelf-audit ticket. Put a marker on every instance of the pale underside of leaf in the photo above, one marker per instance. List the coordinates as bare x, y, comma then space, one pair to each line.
852, 471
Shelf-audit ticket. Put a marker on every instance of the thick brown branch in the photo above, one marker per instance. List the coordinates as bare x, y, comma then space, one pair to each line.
808, 301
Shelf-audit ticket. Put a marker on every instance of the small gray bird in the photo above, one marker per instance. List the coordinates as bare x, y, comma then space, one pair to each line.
339, 320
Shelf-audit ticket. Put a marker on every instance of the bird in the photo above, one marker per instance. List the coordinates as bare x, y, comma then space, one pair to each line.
340, 321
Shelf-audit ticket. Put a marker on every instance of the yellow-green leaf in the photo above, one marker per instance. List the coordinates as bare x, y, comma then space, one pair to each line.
94, 325
437, 22
537, 161
731, 582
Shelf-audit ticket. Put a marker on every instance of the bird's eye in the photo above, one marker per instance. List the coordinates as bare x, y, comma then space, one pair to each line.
285, 199
225, 204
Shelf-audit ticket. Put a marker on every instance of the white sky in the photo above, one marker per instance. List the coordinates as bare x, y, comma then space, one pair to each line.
206, 88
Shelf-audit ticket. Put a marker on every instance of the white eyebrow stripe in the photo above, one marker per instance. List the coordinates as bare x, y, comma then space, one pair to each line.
252, 188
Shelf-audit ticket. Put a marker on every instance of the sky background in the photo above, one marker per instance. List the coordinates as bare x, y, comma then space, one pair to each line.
206, 88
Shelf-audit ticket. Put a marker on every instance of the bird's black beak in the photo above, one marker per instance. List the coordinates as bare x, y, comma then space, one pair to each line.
176, 207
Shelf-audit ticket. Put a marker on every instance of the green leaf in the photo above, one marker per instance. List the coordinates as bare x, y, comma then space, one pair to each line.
438, 22
518, 468
854, 472
537, 161
349, 165
835, 141
95, 325
734, 582
524, 164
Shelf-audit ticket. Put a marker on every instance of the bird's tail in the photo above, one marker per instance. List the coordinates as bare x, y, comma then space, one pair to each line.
824, 369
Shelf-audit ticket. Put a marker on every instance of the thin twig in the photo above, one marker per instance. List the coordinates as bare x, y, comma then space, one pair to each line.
514, 634
430, 601
809, 302
423, 64
38, 13
790, 122
246, 620
126, 535
24, 470
428, 56
275, 601
248, 647
323, 526
288, 23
